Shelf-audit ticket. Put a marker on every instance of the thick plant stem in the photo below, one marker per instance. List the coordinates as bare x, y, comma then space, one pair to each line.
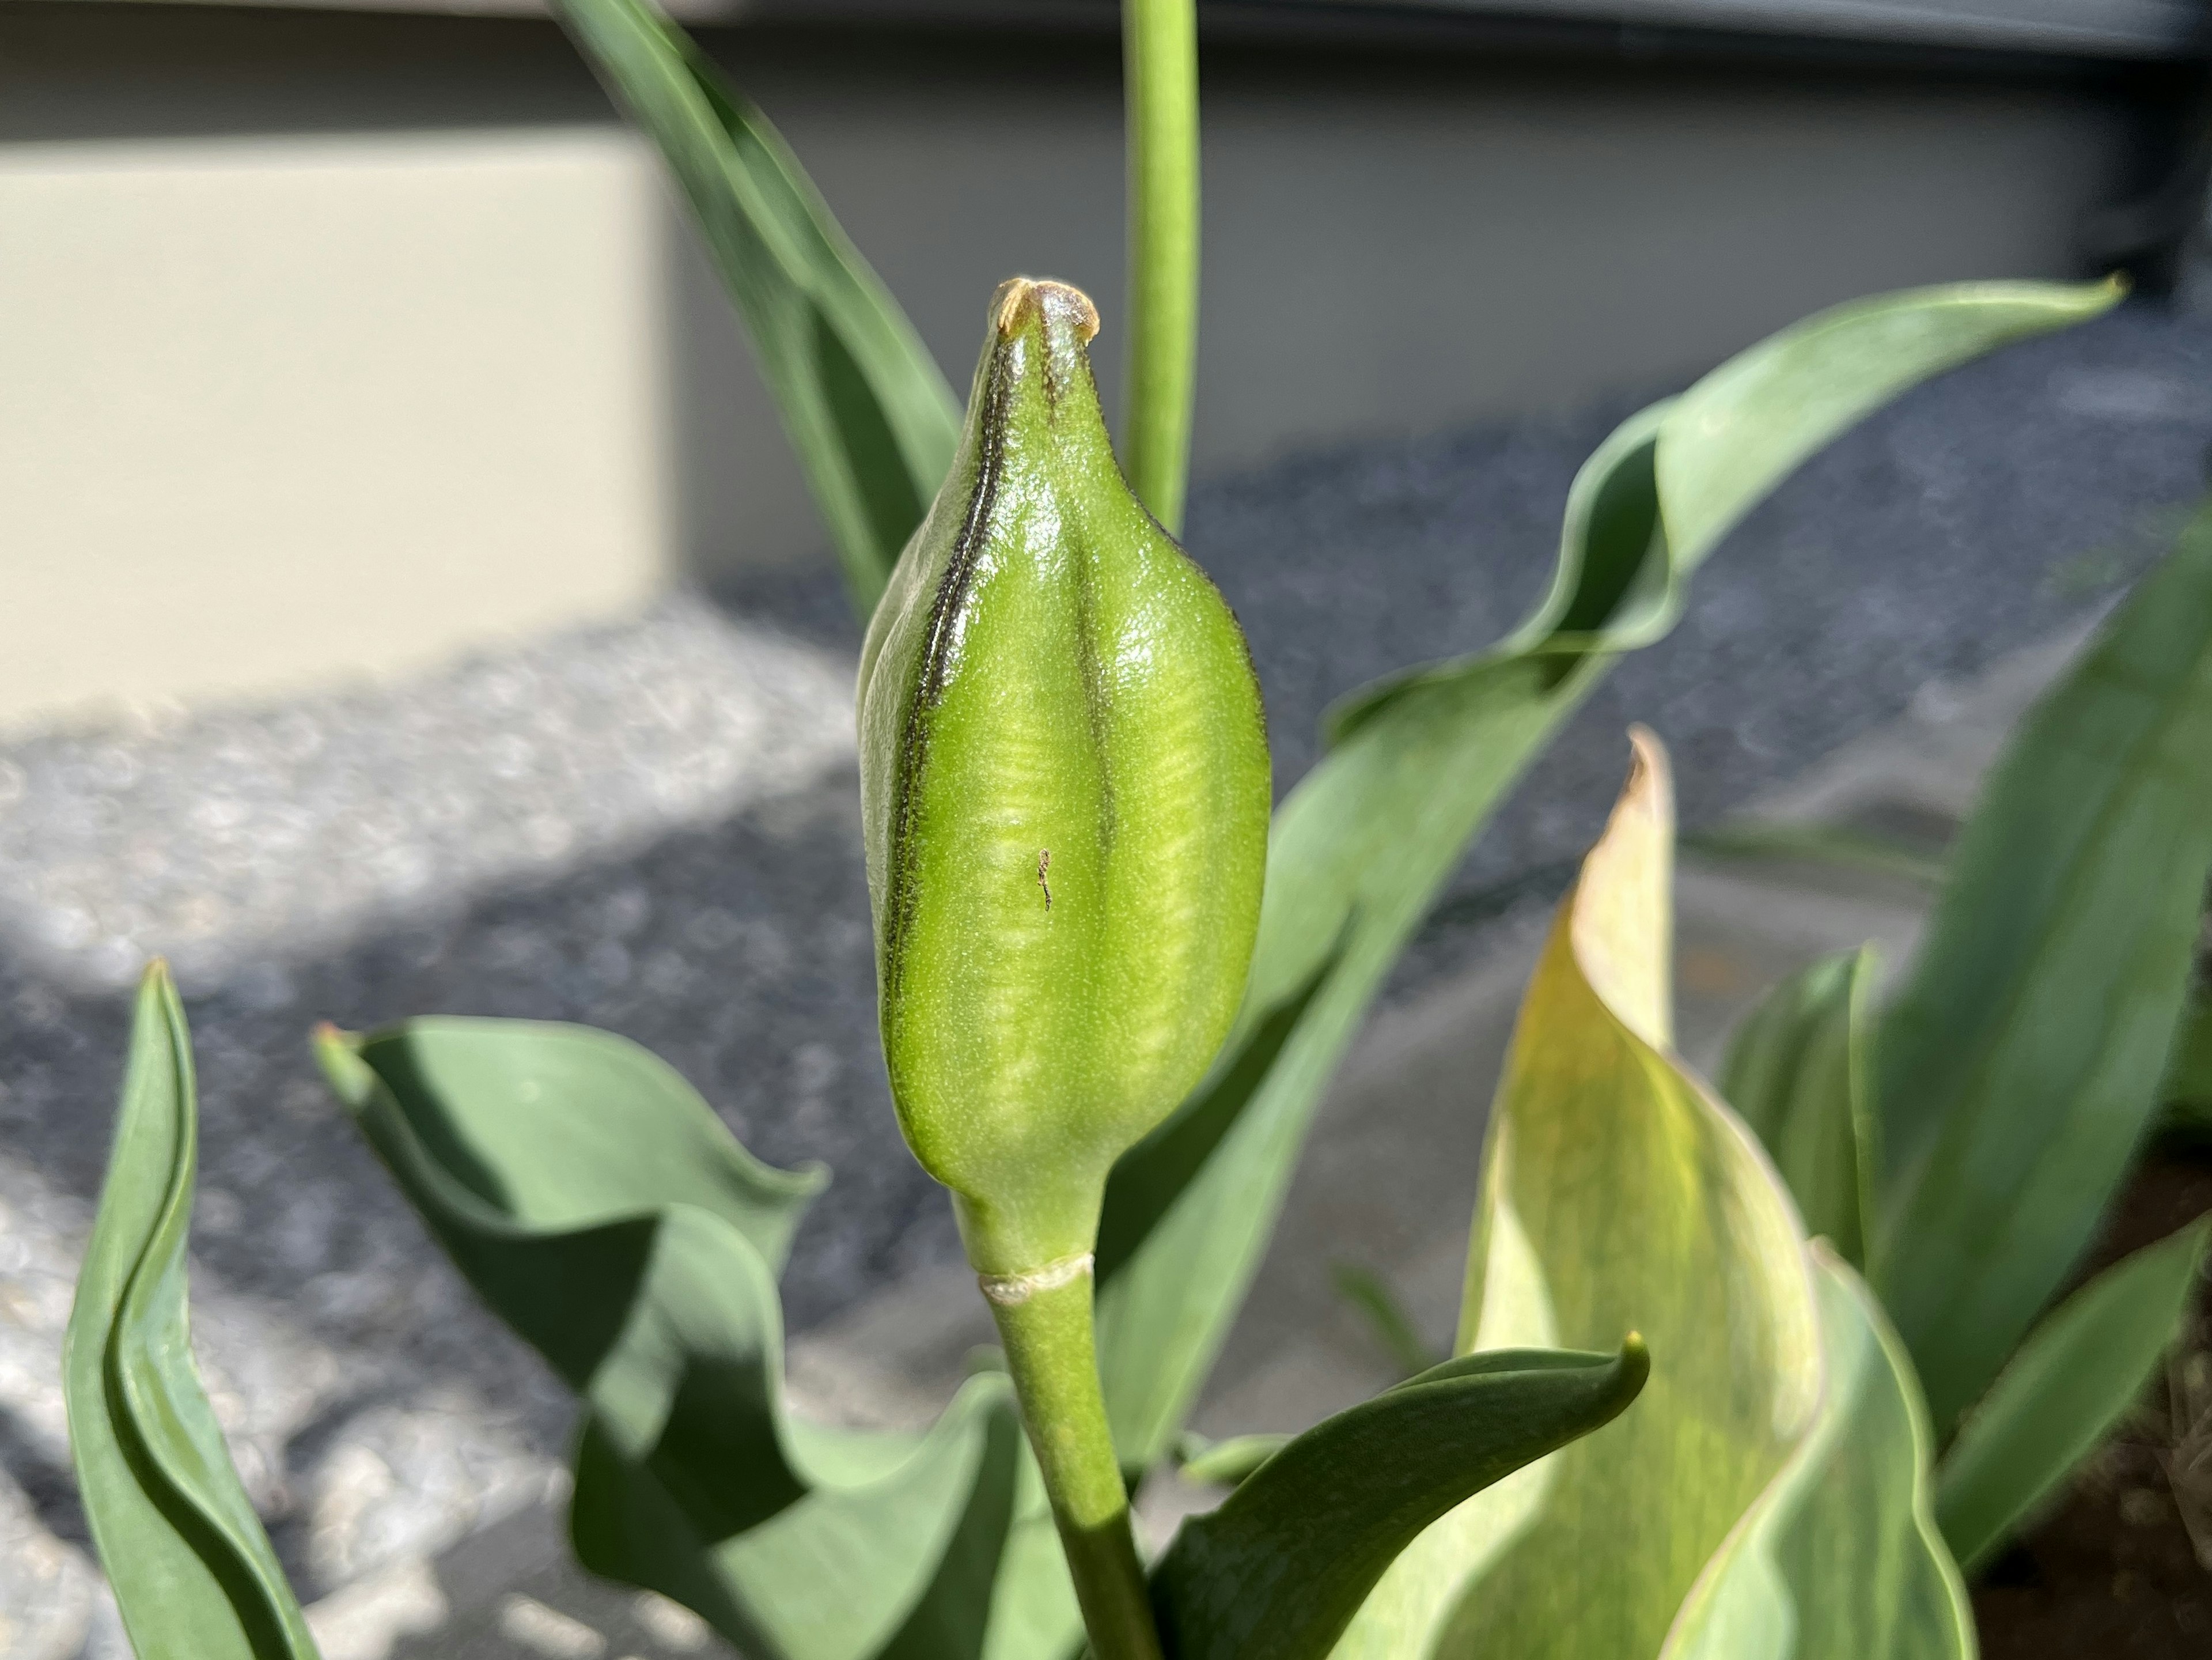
1159, 76
1045, 1322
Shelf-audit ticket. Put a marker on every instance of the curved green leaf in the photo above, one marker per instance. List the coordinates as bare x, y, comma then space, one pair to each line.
1757, 415
1796, 1073
596, 1203
866, 407
1278, 1569
193, 1573
1419, 761
2019, 1067
1841, 1558
1617, 1194
2074, 1381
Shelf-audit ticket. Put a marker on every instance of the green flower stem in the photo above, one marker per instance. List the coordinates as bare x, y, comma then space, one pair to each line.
1160, 73
1045, 1322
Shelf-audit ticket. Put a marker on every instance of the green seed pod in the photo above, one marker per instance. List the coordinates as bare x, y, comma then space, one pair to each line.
1064, 782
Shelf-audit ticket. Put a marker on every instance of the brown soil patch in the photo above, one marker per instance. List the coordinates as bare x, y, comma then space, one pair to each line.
2112, 1572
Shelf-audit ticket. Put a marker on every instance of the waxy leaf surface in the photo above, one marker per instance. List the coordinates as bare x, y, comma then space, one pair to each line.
866, 407
1797, 1073
2019, 1067
2080, 1373
193, 1573
1841, 1558
1277, 1569
1617, 1194
1363, 844
596, 1203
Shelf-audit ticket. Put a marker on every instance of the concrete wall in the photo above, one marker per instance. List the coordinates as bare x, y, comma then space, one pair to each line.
337, 344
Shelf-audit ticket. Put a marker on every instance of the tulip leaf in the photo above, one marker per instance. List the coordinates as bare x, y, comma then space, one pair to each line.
1841, 847
1617, 1193
1278, 1569
1225, 1463
2075, 1380
193, 1573
2020, 1065
600, 1208
866, 407
2188, 1082
1841, 1558
1388, 1323
1365, 842
1796, 1073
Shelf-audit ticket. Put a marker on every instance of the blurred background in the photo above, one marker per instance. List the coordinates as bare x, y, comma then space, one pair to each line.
377, 315
408, 602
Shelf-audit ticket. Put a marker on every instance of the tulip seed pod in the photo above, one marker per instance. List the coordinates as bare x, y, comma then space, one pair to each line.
1064, 787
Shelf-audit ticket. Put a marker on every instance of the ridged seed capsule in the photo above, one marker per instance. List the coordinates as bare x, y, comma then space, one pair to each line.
1064, 781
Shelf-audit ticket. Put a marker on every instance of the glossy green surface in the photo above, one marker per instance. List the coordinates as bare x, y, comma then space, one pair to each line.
866, 410
2080, 1373
1841, 1558
193, 1573
1797, 1074
1277, 1569
1417, 763
2021, 1062
1063, 787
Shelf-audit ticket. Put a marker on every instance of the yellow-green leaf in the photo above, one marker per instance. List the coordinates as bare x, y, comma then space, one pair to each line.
1419, 761
1841, 1558
1617, 1194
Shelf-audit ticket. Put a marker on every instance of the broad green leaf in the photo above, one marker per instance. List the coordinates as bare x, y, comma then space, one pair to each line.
2187, 1085
1796, 1073
866, 408
1841, 1558
2074, 1381
1417, 763
1277, 1569
596, 1203
1617, 1194
2021, 1063
193, 1573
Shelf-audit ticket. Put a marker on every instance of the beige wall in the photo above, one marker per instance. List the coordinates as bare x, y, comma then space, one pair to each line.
337, 344
276, 408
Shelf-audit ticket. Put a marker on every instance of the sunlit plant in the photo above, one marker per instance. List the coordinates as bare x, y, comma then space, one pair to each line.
1112, 990
1964, 1140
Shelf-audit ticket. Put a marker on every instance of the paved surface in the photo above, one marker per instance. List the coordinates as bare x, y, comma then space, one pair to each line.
654, 828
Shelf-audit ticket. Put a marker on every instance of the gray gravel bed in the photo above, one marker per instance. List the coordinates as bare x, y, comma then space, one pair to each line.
654, 828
